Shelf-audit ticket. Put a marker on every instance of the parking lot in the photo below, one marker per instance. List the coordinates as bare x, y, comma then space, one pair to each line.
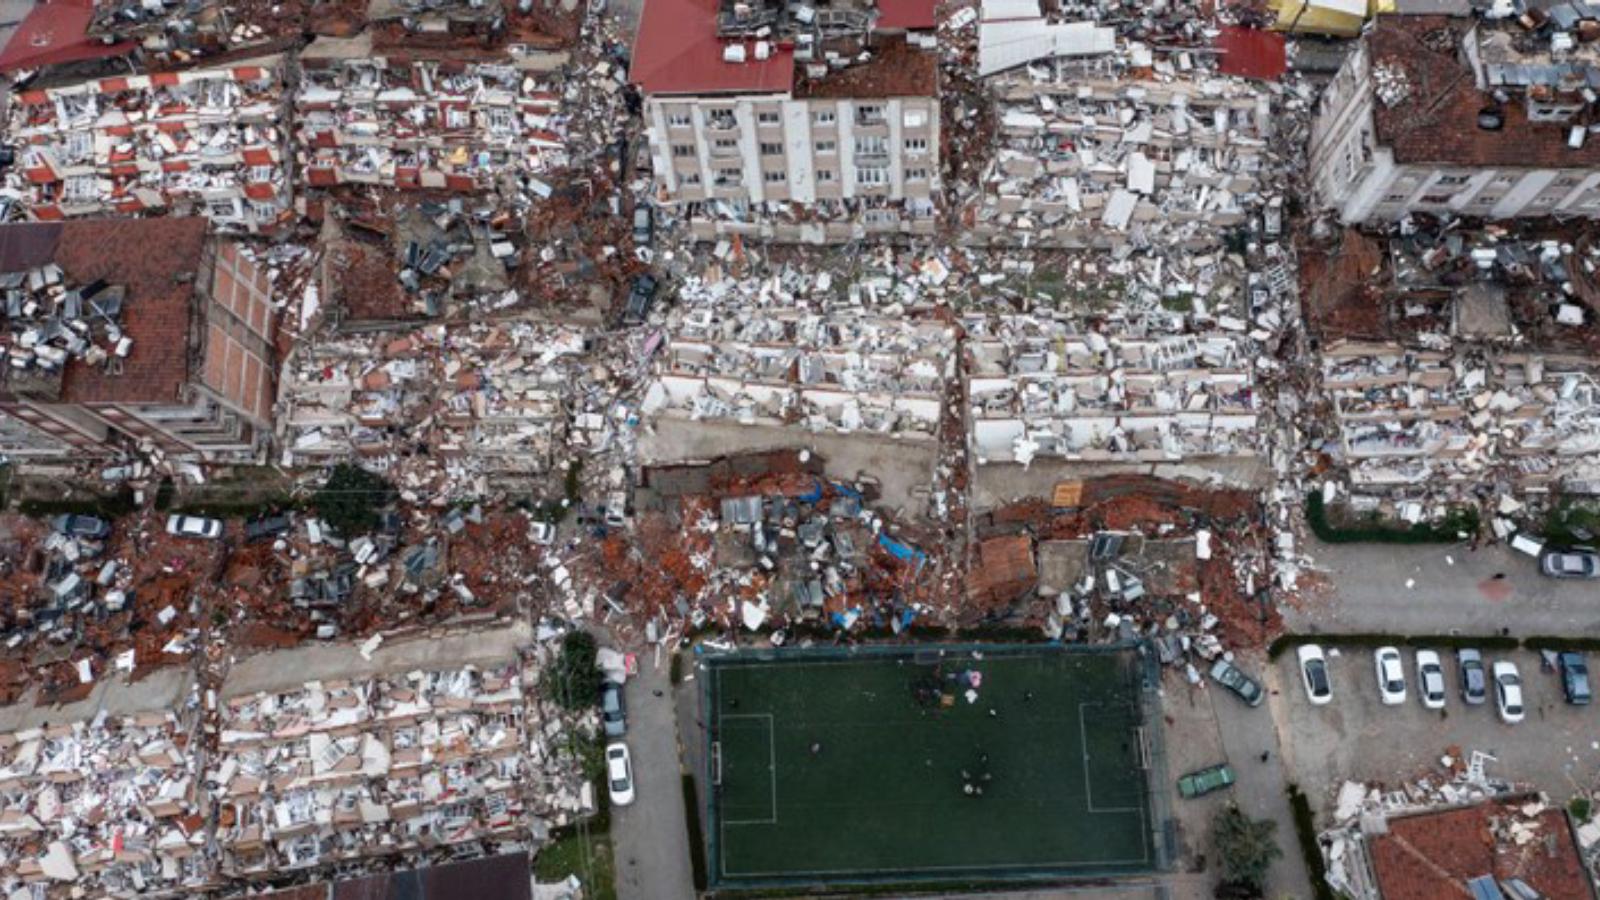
1556, 748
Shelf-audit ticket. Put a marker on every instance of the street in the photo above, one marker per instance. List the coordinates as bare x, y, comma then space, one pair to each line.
651, 841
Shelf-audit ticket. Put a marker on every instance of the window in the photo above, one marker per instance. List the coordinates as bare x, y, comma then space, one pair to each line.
770, 149
916, 118
728, 177
916, 145
916, 174
869, 115
1567, 181
683, 151
767, 118
263, 212
721, 119
262, 173
679, 120
872, 175
82, 189
1452, 179
1503, 180
825, 176
827, 146
224, 209
725, 144
691, 178
1395, 198
823, 117
502, 120
773, 176
872, 145
880, 217
1486, 200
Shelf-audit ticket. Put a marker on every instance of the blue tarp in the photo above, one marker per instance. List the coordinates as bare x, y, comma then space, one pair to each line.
814, 495
902, 552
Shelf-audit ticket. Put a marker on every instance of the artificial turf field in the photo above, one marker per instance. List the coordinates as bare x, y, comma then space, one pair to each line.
839, 769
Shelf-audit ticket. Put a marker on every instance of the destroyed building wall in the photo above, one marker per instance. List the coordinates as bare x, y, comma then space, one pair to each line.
1087, 156
1414, 121
203, 141
117, 336
449, 120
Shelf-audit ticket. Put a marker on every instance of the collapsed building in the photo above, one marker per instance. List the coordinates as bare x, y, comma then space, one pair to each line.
1457, 115
792, 122
134, 333
1115, 141
203, 141
457, 120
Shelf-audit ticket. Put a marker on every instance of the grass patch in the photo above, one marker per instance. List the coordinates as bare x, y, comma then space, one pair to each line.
1569, 522
1579, 808
697, 836
1368, 639
114, 506
1306, 830
584, 848
1460, 522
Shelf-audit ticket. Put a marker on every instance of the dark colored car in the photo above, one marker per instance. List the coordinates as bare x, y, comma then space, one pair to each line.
266, 527
1212, 778
1474, 677
613, 709
82, 526
1574, 678
640, 299
1229, 676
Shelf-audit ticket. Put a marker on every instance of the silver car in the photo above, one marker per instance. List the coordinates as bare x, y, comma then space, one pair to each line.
1578, 562
194, 527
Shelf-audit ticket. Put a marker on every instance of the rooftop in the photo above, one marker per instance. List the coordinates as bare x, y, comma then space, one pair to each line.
54, 33
896, 69
155, 261
1428, 103
1432, 856
678, 51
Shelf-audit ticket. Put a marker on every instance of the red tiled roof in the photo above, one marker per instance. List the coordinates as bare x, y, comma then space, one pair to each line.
53, 33
1433, 855
677, 51
914, 15
1251, 53
1437, 122
156, 260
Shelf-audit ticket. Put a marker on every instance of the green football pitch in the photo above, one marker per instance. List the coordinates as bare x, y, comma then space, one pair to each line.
840, 767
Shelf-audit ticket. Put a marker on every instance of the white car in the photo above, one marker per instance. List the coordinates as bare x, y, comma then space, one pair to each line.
1430, 679
619, 774
1508, 692
1314, 673
195, 527
542, 533
1391, 676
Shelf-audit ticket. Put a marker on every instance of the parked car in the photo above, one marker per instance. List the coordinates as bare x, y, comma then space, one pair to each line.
1574, 678
643, 225
613, 709
1430, 679
266, 527
617, 509
194, 526
1577, 562
1229, 676
1314, 672
1474, 681
1391, 676
640, 298
1508, 691
1211, 778
619, 774
82, 526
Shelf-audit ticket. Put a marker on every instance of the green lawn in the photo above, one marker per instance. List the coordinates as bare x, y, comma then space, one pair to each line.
836, 770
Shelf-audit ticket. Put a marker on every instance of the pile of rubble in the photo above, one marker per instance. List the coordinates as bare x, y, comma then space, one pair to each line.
111, 805
49, 323
206, 140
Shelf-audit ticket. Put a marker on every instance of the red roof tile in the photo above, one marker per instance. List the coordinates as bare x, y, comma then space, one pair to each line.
53, 33
914, 15
677, 51
1432, 856
1437, 122
1251, 53
156, 261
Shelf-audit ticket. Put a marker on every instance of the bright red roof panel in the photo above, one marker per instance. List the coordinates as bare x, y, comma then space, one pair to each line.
1252, 53
53, 33
677, 51
912, 15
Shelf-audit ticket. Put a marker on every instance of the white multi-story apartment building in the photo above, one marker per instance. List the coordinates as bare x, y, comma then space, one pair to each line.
830, 119
1451, 115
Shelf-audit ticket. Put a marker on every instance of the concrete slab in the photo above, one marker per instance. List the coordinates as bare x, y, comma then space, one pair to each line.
161, 690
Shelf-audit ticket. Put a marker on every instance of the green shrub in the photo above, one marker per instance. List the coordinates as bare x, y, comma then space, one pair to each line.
1305, 829
1461, 520
697, 838
351, 499
113, 506
1246, 848
1561, 642
574, 681
1580, 807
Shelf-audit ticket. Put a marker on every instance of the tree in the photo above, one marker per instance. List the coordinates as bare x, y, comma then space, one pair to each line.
1246, 848
351, 499
575, 678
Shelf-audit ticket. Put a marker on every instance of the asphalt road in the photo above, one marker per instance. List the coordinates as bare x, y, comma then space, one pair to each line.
650, 837
1441, 589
